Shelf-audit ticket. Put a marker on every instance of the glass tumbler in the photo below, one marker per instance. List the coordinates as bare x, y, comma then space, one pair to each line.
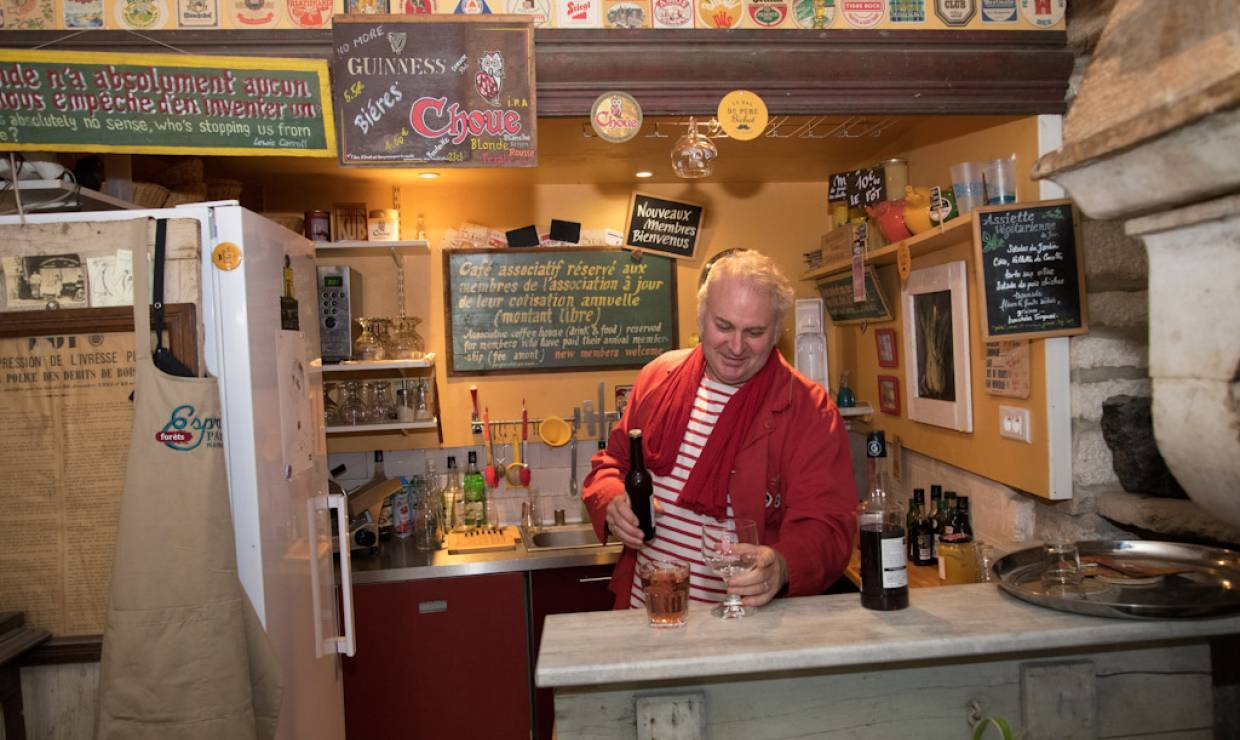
1062, 569
382, 407
351, 409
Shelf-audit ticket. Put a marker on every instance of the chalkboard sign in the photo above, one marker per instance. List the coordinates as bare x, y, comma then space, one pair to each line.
448, 91
1029, 270
859, 188
837, 298
67, 101
548, 308
665, 226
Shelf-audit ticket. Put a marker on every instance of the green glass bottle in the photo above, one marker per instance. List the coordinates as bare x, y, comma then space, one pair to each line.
475, 494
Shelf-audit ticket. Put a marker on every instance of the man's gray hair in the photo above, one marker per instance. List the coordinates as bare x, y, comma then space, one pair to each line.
754, 269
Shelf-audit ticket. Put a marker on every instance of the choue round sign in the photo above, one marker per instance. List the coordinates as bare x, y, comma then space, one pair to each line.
616, 116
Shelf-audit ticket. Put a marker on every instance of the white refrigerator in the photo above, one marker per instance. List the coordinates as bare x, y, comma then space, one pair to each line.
271, 393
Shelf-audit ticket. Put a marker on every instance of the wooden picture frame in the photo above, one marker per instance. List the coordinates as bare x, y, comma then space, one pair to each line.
938, 381
885, 342
889, 394
348, 222
180, 325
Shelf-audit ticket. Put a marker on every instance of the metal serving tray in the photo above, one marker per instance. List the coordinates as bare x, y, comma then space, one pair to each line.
1208, 585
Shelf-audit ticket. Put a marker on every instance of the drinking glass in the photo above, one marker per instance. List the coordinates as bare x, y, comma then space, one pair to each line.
367, 346
1062, 570
665, 586
730, 548
351, 409
382, 409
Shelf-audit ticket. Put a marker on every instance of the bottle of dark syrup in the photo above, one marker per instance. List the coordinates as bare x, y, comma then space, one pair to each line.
884, 553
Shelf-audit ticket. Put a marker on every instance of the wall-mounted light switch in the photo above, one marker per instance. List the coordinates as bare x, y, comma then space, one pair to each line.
1014, 423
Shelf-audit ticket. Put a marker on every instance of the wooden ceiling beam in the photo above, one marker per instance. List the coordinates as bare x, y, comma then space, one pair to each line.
687, 72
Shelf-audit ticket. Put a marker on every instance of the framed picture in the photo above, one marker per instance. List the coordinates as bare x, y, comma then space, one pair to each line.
348, 222
888, 356
889, 394
935, 303
622, 398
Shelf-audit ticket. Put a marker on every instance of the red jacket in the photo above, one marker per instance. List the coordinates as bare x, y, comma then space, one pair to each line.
793, 475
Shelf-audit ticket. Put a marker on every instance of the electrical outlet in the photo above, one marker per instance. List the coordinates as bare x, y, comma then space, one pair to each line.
1014, 423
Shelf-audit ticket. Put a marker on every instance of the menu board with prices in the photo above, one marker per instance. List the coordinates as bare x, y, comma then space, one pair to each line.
1029, 270
548, 308
448, 91
164, 104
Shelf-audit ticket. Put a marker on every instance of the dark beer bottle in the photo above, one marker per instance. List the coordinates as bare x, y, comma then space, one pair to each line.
640, 486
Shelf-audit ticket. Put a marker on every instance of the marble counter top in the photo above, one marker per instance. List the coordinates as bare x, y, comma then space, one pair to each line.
819, 632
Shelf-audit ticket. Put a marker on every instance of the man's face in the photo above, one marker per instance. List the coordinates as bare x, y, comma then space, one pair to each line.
738, 331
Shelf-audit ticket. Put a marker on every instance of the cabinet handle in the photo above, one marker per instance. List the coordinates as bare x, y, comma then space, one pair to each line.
594, 579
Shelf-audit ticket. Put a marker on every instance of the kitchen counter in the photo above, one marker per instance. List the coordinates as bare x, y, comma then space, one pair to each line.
399, 560
832, 662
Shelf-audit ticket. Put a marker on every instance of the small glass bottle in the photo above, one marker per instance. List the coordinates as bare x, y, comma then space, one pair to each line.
884, 563
453, 497
844, 398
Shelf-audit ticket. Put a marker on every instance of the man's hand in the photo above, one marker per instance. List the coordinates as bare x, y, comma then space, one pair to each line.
622, 522
760, 585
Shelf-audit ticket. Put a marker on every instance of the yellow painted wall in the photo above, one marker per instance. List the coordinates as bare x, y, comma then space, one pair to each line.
781, 219
1021, 465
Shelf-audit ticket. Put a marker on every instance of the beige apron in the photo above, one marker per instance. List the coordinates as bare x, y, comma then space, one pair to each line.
184, 655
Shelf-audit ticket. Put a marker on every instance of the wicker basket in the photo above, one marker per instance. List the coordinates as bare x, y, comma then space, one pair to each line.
187, 171
195, 193
223, 189
149, 195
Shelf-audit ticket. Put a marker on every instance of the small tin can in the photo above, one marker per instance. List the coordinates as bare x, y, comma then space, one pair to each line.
318, 226
384, 225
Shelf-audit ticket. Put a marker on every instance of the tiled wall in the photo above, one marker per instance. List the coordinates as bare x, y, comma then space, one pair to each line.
549, 475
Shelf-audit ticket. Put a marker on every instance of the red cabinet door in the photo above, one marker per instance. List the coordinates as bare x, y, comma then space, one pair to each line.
439, 658
563, 591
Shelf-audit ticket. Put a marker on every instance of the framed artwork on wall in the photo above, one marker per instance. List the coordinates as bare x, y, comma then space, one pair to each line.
888, 355
889, 394
935, 303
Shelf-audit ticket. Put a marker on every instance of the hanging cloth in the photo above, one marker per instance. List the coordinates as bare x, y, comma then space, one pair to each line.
184, 655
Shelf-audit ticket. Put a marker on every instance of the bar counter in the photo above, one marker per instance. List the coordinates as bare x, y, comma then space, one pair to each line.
819, 664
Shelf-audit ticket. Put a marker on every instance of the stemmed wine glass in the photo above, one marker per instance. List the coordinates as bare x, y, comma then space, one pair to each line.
729, 549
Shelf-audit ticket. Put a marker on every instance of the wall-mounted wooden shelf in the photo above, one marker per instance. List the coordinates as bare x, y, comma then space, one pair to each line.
928, 241
353, 366
396, 426
393, 249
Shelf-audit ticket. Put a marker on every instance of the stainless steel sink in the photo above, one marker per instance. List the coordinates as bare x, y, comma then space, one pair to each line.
572, 536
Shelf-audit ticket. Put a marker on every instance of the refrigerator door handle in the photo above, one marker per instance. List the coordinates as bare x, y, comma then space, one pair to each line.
347, 643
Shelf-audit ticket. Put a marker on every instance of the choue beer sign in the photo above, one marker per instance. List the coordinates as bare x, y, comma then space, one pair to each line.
616, 116
448, 91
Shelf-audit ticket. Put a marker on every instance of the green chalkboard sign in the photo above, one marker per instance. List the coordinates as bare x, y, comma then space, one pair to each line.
1029, 270
529, 310
164, 104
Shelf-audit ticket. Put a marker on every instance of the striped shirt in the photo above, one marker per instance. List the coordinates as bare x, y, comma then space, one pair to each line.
678, 532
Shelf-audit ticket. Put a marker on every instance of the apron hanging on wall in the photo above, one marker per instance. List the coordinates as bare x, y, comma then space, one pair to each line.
184, 655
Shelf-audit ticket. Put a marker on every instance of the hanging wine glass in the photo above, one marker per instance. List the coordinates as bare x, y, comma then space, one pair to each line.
367, 346
693, 155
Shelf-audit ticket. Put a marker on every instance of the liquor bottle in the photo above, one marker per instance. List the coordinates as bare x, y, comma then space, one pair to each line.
884, 567
961, 523
640, 486
949, 515
475, 494
911, 519
453, 498
920, 533
936, 503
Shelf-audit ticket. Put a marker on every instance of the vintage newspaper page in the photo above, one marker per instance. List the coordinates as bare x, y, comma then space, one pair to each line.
65, 420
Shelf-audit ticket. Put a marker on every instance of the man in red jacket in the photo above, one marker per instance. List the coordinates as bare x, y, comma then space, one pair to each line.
731, 430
